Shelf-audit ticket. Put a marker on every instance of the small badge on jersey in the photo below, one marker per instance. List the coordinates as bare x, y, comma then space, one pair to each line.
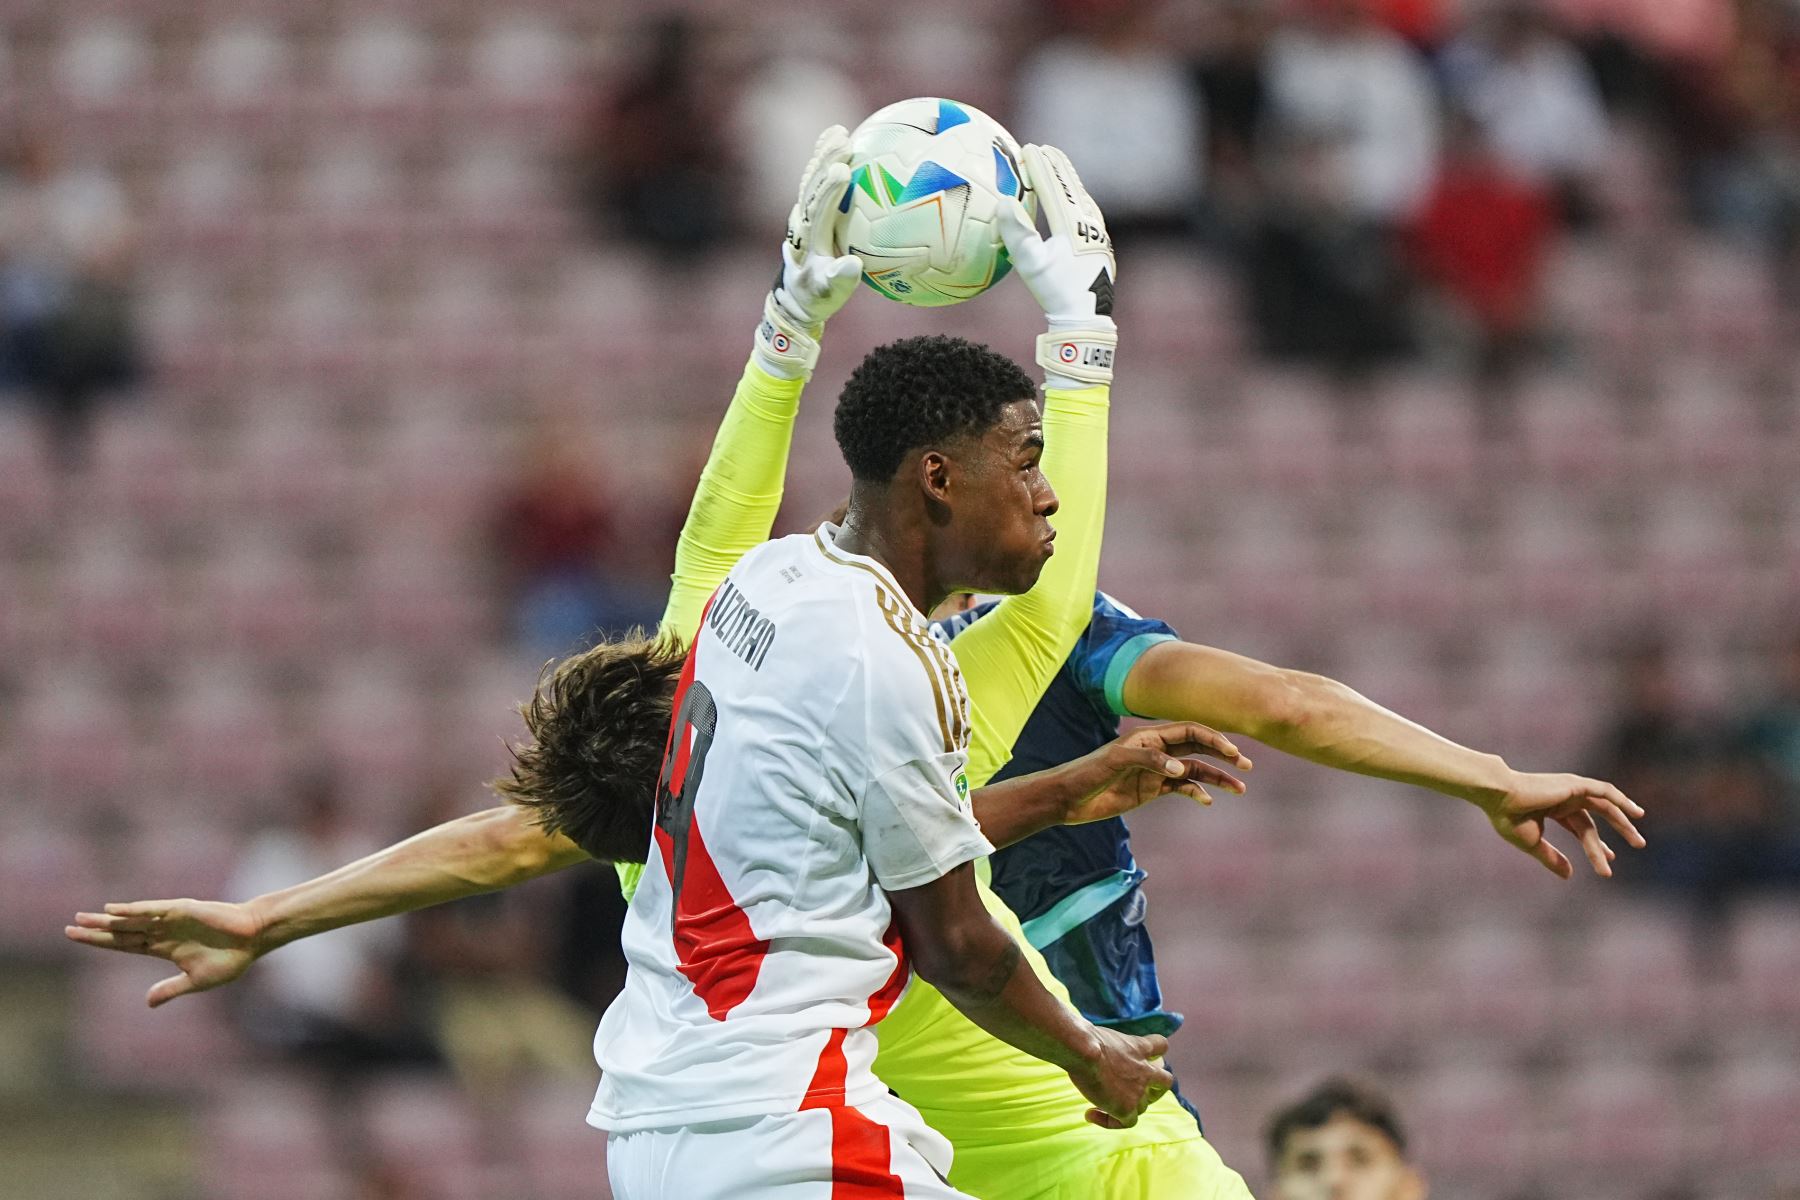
962, 787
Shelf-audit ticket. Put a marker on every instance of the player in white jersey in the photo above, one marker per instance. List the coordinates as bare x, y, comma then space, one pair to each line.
814, 828
816, 759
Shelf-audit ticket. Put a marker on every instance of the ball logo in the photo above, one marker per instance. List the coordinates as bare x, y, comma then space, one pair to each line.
1068, 352
781, 343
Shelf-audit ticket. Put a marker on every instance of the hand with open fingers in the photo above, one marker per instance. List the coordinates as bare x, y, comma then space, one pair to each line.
1155, 760
815, 280
1124, 1077
211, 942
1533, 801
1070, 274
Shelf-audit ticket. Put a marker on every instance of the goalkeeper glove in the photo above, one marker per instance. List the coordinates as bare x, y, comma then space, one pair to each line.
1070, 274
815, 281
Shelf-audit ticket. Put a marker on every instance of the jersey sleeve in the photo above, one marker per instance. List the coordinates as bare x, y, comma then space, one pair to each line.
915, 814
739, 494
1010, 656
1116, 638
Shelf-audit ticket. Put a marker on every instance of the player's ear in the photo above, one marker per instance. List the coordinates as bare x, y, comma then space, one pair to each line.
935, 470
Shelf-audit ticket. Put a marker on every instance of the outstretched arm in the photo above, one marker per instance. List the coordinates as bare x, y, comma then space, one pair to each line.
1010, 656
1119, 777
213, 942
1326, 722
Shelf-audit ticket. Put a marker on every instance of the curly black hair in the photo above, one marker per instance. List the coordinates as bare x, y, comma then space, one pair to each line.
917, 393
599, 722
1338, 1096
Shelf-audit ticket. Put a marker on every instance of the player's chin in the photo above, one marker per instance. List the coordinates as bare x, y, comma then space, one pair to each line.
1031, 567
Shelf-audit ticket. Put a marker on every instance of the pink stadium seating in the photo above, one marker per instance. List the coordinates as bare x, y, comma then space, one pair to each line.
364, 288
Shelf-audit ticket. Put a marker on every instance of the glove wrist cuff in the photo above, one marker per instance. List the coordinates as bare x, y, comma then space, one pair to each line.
784, 348
1082, 357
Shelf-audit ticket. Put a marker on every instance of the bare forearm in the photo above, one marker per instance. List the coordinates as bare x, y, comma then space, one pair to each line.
482, 852
1017, 808
1337, 726
960, 949
994, 987
1308, 716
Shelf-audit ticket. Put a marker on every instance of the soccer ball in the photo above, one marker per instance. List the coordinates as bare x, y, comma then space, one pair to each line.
926, 180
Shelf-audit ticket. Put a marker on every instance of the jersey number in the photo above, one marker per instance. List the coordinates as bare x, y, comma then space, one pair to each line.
715, 948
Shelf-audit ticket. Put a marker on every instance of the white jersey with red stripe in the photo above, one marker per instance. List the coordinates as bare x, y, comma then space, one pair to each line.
815, 761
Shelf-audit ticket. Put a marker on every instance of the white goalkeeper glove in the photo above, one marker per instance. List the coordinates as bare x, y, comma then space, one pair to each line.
815, 281
1070, 274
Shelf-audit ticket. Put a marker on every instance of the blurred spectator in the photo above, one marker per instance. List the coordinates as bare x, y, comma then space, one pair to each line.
483, 965
1341, 1141
798, 90
555, 538
330, 1001
67, 333
1717, 820
1483, 236
653, 165
1120, 103
1325, 284
1771, 741
1421, 22
1736, 125
1536, 99
1342, 84
1348, 150
590, 918
1231, 76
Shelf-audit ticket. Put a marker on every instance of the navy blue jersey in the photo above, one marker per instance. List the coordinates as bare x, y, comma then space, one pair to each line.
1077, 888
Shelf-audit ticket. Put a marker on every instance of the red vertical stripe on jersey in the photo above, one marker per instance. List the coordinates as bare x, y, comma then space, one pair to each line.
860, 1150
889, 995
715, 948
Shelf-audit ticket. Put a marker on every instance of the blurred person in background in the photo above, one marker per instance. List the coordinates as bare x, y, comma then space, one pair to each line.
555, 536
652, 167
1770, 743
67, 332
1324, 285
1536, 101
1483, 238
1720, 817
337, 1005
800, 81
1230, 74
1341, 1141
1121, 103
1340, 80
1348, 150
1735, 125
484, 965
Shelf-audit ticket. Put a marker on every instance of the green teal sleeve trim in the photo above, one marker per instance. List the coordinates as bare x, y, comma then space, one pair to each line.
1123, 660
1079, 907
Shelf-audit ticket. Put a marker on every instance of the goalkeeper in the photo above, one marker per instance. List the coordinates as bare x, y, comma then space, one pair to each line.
599, 719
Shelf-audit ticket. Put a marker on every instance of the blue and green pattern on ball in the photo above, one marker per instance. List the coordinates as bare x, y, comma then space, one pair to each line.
927, 179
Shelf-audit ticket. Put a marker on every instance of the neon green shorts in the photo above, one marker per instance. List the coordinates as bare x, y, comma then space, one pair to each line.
1184, 1170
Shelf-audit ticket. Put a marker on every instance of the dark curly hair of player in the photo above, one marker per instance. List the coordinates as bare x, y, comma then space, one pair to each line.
918, 393
599, 722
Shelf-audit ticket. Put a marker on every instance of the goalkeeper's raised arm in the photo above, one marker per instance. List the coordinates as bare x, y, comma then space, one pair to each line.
740, 490
1009, 658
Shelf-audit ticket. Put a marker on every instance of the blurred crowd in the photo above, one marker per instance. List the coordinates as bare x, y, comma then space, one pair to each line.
67, 336
1725, 786
1386, 176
